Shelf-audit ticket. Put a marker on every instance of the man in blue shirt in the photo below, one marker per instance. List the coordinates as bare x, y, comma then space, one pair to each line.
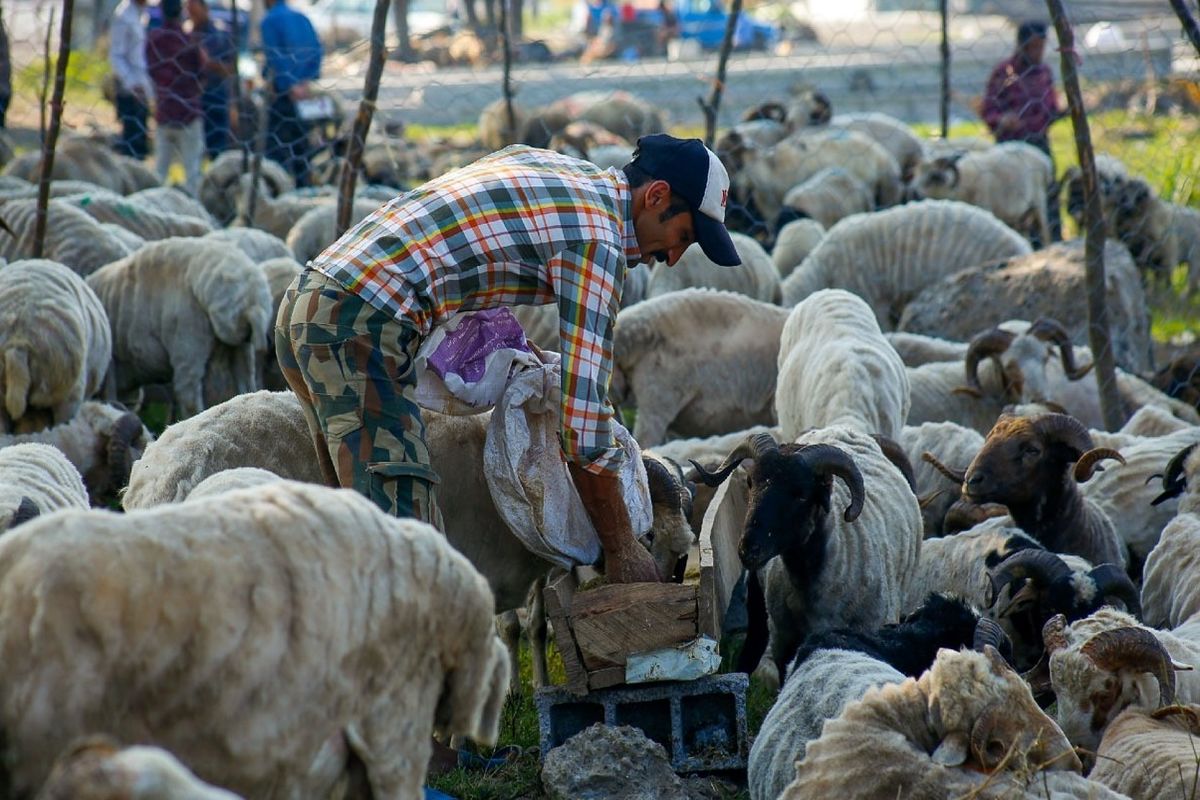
219, 68
293, 59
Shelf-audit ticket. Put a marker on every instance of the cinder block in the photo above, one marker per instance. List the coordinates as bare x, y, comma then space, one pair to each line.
701, 723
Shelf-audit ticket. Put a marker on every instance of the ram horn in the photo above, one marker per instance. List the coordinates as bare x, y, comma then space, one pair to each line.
1112, 581
1087, 464
965, 514
894, 453
1051, 330
983, 345
1174, 481
120, 446
989, 632
753, 446
664, 487
1136, 649
956, 475
825, 459
1040, 566
27, 510
1066, 430
1054, 633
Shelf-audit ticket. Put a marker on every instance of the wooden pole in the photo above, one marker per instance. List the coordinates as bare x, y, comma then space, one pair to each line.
945, 68
260, 146
1188, 21
51, 138
1095, 234
236, 98
362, 122
712, 106
510, 119
47, 67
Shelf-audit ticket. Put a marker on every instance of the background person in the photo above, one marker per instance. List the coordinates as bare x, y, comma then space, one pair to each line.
220, 67
293, 59
127, 57
176, 62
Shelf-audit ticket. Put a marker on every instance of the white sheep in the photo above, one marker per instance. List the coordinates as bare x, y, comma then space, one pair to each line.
280, 273
1170, 591
1151, 755
128, 239
315, 231
757, 276
221, 184
174, 200
795, 241
951, 444
171, 304
276, 215
836, 368
228, 611
147, 221
259, 246
231, 480
87, 159
829, 196
54, 340
968, 727
73, 237
697, 362
892, 135
917, 349
1159, 234
888, 256
36, 479
1010, 180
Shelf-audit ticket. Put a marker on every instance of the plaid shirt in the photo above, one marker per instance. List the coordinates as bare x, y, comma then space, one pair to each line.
521, 226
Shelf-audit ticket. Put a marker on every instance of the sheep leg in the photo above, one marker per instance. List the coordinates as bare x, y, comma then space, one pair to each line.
187, 379
1043, 222
245, 369
537, 636
508, 628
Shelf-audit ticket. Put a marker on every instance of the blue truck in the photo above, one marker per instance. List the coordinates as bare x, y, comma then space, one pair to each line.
700, 20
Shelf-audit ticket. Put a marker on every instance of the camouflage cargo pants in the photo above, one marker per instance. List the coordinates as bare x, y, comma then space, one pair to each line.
352, 366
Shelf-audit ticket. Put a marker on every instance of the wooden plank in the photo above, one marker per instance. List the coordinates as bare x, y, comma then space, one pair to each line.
604, 678
558, 596
610, 622
720, 564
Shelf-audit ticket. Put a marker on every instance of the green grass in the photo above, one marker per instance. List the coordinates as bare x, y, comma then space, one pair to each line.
83, 87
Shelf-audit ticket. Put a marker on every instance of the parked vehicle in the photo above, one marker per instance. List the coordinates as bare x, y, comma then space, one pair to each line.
346, 21
700, 20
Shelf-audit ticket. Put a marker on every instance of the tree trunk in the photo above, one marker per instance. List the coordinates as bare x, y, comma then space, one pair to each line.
712, 106
362, 122
1098, 333
510, 120
945, 68
51, 139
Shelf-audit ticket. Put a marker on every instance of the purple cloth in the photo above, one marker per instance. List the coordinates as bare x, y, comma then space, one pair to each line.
465, 349
1024, 89
175, 62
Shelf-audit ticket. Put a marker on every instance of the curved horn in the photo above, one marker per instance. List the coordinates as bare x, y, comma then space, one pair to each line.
1051, 330
956, 475
1137, 649
984, 345
988, 632
664, 487
119, 451
27, 510
825, 459
753, 446
894, 453
1041, 566
990, 752
1174, 481
1088, 461
965, 514
1054, 633
1112, 581
1066, 430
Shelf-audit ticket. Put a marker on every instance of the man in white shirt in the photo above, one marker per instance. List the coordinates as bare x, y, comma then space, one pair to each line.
127, 56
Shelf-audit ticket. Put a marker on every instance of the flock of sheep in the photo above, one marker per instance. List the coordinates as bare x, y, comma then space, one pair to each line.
941, 539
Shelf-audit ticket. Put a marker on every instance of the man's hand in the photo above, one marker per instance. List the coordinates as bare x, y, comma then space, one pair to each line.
625, 560
630, 563
1009, 122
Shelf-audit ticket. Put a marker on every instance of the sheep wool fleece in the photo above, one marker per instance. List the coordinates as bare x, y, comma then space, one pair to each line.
352, 367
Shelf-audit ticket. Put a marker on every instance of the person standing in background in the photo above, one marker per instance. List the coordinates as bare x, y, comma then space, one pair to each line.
219, 68
293, 59
176, 63
127, 57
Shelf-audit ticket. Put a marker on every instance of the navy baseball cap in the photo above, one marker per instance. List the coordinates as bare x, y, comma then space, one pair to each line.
698, 176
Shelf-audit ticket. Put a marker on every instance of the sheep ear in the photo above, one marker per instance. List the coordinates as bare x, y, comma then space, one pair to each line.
953, 750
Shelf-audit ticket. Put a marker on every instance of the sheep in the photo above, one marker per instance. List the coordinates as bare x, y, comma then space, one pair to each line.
129, 240
951, 443
757, 276
36, 479
230, 480
221, 184
171, 304
100, 441
1110, 172
828, 196
967, 727
1158, 233
259, 246
173, 200
845, 554
280, 273
916, 349
698, 362
1170, 591
317, 229
1180, 378
795, 241
625, 114
55, 341
85, 159
96, 768
892, 135
1050, 282
73, 237
495, 130
206, 669
147, 221
1151, 754
1026, 464
888, 257
276, 215
1010, 180
835, 368
1149, 422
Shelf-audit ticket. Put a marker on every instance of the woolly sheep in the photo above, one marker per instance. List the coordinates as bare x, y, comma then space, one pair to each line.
892, 135
362, 596
174, 200
756, 277
698, 362
55, 341
73, 237
128, 239
495, 131
171, 304
1159, 234
916, 349
280, 273
221, 184
1010, 180
231, 480
1148, 755
276, 215
888, 257
836, 368
795, 241
315, 231
1170, 591
950, 443
1110, 172
828, 196
85, 159
259, 246
148, 222
36, 479
95, 768
623, 113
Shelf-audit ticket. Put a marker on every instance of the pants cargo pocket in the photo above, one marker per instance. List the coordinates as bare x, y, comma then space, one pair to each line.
405, 489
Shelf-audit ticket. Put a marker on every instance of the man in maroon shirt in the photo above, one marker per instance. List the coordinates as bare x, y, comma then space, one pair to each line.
176, 63
1020, 104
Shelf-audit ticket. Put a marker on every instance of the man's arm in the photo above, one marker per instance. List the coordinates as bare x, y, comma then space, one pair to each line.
993, 108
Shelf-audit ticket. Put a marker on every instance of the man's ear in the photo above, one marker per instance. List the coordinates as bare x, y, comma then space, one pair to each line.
658, 194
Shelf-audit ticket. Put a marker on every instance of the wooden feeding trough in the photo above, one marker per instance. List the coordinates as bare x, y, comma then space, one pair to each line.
597, 629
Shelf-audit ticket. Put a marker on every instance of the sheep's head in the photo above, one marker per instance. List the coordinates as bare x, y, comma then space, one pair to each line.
807, 107
984, 717
1021, 359
670, 535
1025, 461
1101, 665
1184, 463
938, 178
791, 490
1132, 198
